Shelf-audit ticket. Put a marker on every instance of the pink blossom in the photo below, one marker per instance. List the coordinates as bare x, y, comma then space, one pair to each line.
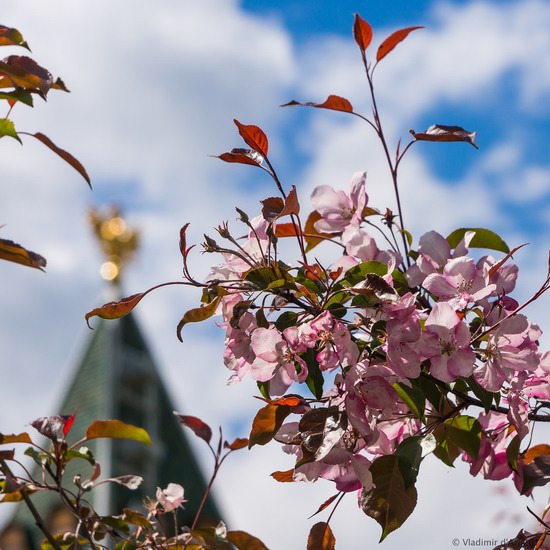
170, 498
509, 349
274, 357
433, 252
460, 283
332, 339
447, 344
338, 209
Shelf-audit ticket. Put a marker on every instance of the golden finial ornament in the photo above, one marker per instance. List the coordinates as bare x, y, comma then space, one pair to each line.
117, 242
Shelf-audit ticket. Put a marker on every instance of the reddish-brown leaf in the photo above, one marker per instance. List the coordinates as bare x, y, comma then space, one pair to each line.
498, 265
184, 249
292, 206
321, 537
266, 424
19, 438
284, 477
311, 235
443, 133
68, 424
11, 37
389, 44
286, 400
242, 156
245, 541
200, 428
116, 310
239, 443
333, 102
325, 504
66, 156
534, 452
24, 72
7, 455
198, 314
254, 137
286, 230
272, 208
13, 252
362, 32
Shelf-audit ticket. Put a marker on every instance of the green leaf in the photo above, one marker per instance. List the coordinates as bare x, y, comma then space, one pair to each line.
264, 389
12, 37
285, 320
115, 429
465, 432
357, 273
123, 545
73, 453
412, 397
7, 128
484, 238
411, 451
20, 95
486, 397
314, 380
390, 503
512, 452
459, 432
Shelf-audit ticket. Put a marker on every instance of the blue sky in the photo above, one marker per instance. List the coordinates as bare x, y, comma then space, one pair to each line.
155, 88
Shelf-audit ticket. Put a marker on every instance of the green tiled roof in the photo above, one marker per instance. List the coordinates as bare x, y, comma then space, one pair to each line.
117, 379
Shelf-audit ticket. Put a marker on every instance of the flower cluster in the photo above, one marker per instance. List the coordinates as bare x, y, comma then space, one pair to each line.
384, 348
434, 333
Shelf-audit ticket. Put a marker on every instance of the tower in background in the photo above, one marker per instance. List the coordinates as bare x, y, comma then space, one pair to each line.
117, 378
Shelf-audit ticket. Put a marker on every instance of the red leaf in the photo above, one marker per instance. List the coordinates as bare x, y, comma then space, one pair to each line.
24, 72
292, 206
325, 504
67, 157
116, 310
537, 450
321, 537
198, 314
13, 252
389, 44
266, 424
272, 208
443, 133
245, 541
362, 32
287, 401
311, 235
254, 137
239, 443
200, 428
242, 156
68, 424
284, 477
11, 37
15, 438
184, 249
7, 455
333, 102
286, 230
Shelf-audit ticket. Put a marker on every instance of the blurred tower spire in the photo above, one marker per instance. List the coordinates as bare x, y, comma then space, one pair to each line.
118, 243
